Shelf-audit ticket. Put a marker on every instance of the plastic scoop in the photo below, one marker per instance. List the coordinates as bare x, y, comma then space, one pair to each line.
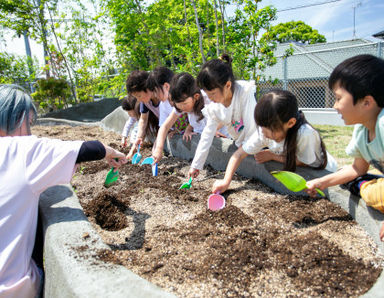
186, 185
111, 177
216, 202
154, 169
136, 158
292, 181
147, 161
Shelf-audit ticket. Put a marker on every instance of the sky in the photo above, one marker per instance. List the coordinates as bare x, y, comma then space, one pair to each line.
334, 20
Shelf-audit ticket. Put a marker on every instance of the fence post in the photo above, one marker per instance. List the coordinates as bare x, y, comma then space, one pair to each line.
379, 49
285, 74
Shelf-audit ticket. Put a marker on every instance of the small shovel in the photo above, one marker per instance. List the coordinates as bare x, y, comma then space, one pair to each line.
293, 181
216, 202
136, 158
187, 185
154, 169
147, 161
112, 176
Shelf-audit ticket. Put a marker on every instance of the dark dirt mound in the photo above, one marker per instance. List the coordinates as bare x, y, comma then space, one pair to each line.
261, 244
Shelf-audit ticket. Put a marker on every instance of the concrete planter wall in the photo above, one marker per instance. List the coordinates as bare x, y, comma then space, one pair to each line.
68, 275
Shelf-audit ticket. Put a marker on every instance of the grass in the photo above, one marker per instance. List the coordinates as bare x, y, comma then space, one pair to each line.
336, 139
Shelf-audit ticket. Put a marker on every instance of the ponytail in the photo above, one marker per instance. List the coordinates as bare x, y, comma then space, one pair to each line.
216, 73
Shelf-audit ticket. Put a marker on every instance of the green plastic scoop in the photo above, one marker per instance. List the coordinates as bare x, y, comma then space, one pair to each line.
293, 181
187, 185
112, 176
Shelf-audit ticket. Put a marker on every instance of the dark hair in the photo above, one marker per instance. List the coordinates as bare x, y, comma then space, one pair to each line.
361, 75
276, 108
183, 85
216, 73
137, 81
130, 103
158, 77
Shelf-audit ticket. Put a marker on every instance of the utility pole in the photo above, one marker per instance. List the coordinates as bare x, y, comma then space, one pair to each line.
355, 5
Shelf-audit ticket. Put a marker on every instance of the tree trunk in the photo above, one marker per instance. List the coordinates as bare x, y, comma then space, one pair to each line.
217, 30
200, 34
222, 10
65, 60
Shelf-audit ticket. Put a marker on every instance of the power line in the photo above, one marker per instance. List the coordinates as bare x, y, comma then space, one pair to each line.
308, 5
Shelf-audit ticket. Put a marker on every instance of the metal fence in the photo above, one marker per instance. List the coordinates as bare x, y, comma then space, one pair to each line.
306, 72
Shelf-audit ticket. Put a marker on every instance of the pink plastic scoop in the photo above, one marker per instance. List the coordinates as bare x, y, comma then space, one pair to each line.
216, 202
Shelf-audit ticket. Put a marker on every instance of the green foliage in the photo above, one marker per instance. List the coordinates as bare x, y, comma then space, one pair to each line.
294, 31
14, 69
52, 94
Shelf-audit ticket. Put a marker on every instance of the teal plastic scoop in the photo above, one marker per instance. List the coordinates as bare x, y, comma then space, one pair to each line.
147, 161
294, 182
136, 158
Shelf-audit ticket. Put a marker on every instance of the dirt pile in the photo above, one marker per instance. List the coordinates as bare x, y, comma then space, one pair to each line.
261, 244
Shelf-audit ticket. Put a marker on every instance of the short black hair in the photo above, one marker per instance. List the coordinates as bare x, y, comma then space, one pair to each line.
360, 75
137, 81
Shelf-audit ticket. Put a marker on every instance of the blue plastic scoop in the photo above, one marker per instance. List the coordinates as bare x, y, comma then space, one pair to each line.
147, 161
136, 158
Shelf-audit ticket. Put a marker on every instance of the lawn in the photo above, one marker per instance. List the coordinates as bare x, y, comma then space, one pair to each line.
336, 139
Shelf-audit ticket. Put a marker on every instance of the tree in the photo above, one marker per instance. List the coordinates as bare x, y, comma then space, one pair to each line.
294, 31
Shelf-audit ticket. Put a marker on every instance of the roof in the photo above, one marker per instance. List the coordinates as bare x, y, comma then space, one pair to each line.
317, 60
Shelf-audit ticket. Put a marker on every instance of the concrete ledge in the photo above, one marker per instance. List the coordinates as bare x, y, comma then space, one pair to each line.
69, 275
64, 223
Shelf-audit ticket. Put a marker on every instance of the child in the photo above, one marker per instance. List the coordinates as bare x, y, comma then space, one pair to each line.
188, 98
28, 166
159, 82
359, 90
132, 106
290, 139
137, 86
233, 105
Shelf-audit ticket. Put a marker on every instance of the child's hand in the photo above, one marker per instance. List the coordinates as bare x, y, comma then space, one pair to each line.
264, 156
218, 134
187, 136
171, 133
111, 155
138, 142
220, 186
312, 185
382, 232
129, 156
193, 173
157, 155
124, 141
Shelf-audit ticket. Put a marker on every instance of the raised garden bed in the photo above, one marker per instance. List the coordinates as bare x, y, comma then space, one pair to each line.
262, 243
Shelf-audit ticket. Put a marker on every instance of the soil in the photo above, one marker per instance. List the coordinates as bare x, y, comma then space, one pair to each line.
261, 244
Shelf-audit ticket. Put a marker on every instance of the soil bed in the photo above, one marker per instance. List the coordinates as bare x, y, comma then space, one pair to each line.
261, 244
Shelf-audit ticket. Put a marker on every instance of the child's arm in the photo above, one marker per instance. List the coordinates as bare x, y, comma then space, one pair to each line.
187, 136
382, 232
203, 147
233, 164
348, 173
131, 152
161, 135
143, 121
267, 155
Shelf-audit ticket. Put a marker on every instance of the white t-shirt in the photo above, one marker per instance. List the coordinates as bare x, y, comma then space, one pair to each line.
198, 126
165, 109
237, 118
308, 150
28, 166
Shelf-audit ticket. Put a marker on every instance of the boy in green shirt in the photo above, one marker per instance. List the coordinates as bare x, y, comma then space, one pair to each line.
358, 85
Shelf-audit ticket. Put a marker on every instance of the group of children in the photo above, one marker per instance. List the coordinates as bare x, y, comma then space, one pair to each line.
214, 104
272, 127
